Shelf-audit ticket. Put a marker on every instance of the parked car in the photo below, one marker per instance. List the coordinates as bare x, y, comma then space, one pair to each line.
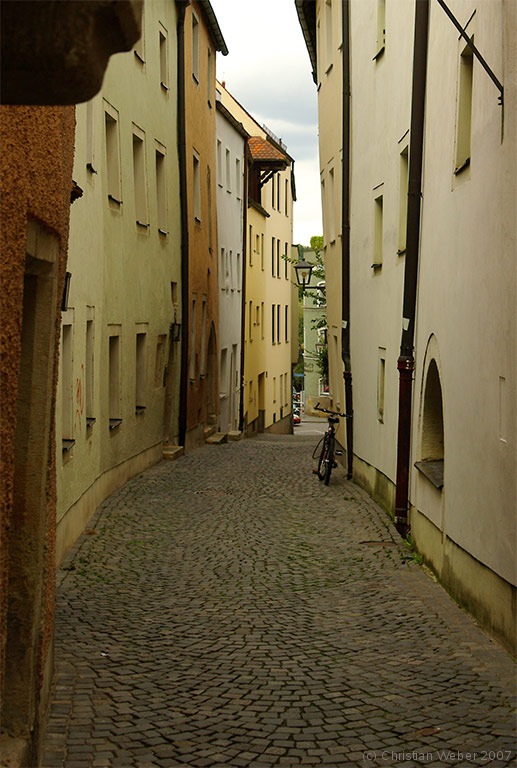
296, 416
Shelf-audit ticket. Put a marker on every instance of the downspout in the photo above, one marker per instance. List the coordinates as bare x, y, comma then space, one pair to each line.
406, 361
243, 292
345, 240
182, 420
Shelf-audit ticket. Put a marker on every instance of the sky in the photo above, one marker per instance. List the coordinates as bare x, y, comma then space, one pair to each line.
268, 71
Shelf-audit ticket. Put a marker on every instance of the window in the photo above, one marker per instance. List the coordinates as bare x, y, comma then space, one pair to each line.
262, 252
90, 136
139, 46
159, 363
286, 323
238, 179
192, 350
219, 163
238, 277
464, 116
195, 47
202, 369
197, 187
89, 367
377, 232
273, 258
67, 385
250, 322
262, 330
140, 373
331, 203
223, 374
286, 197
222, 268
161, 188
209, 84
250, 244
115, 416
286, 268
380, 40
273, 323
432, 442
228, 172
328, 35
278, 258
164, 58
139, 177
381, 371
112, 153
403, 200
278, 323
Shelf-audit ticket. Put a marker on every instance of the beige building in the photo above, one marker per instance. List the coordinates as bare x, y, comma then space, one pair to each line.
424, 280
119, 375
268, 291
199, 39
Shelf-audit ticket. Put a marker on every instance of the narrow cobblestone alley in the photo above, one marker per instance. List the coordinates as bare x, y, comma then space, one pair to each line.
228, 609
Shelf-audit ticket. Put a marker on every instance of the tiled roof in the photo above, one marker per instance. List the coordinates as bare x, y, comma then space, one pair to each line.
262, 150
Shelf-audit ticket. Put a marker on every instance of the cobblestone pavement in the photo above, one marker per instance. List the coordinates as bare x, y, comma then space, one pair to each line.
228, 609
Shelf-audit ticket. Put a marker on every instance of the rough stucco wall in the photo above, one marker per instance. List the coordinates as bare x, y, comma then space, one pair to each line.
35, 180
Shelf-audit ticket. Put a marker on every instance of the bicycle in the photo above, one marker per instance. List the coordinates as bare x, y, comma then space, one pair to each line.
326, 461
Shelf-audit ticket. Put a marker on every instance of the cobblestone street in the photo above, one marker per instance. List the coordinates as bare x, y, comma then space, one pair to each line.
228, 609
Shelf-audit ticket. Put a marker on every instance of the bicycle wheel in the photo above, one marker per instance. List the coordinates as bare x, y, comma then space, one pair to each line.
329, 460
322, 461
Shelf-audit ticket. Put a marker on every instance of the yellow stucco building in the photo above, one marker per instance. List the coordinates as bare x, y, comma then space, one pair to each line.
268, 277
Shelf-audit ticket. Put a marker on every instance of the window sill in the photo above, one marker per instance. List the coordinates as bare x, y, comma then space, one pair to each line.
376, 265
162, 232
90, 421
379, 53
139, 410
90, 168
67, 445
401, 252
115, 423
462, 167
165, 87
115, 201
142, 224
432, 470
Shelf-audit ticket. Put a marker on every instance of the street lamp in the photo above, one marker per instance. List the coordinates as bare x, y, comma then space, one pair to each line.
303, 273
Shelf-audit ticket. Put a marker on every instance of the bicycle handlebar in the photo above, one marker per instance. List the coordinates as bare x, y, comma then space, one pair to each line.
333, 413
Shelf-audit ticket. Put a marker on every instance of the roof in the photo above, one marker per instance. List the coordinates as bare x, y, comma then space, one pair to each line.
263, 151
215, 29
306, 10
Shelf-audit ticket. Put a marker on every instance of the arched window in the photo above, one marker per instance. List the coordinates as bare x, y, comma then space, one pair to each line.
431, 462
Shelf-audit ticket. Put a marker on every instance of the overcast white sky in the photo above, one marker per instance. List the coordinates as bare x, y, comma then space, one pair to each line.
269, 72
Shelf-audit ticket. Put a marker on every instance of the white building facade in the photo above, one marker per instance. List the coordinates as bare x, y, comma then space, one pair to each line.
460, 483
231, 199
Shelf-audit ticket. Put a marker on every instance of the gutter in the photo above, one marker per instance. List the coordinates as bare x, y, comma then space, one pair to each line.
345, 240
182, 417
406, 361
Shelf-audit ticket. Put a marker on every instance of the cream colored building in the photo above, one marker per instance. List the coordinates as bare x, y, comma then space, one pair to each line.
461, 469
268, 291
120, 362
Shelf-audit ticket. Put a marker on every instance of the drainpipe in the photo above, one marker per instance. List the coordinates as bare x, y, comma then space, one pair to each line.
345, 240
406, 361
243, 291
182, 420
